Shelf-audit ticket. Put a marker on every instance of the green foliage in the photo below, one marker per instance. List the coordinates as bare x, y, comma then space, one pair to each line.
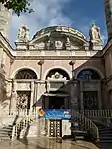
18, 6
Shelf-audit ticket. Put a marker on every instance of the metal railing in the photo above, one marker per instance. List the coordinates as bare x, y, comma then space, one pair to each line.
85, 124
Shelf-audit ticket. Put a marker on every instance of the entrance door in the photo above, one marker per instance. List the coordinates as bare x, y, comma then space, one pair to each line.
55, 129
90, 100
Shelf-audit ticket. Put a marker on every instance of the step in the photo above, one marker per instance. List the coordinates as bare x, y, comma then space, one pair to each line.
5, 138
5, 130
103, 135
105, 128
105, 131
7, 127
106, 141
105, 138
80, 137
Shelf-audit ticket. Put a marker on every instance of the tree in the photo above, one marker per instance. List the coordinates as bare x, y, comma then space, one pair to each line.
18, 6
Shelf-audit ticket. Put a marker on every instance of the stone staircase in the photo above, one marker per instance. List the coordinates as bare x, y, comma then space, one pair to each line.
105, 133
6, 132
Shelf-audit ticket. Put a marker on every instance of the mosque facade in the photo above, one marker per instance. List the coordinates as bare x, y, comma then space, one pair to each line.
57, 70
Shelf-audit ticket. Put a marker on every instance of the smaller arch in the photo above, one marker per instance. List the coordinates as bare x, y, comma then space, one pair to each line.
56, 67
95, 70
25, 73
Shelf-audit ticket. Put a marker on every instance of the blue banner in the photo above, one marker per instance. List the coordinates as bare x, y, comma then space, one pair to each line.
57, 114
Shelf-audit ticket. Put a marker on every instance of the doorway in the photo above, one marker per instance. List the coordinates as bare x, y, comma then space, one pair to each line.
56, 102
90, 100
23, 100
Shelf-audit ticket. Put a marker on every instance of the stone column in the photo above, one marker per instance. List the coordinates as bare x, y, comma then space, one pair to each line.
14, 97
73, 97
99, 96
32, 95
81, 96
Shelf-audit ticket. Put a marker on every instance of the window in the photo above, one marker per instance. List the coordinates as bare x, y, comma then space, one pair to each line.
88, 74
26, 74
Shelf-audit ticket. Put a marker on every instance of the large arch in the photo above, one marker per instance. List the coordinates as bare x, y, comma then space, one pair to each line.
90, 68
56, 67
23, 68
26, 74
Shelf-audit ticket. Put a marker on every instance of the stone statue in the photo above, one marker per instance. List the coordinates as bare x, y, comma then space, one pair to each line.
23, 34
68, 43
50, 43
94, 33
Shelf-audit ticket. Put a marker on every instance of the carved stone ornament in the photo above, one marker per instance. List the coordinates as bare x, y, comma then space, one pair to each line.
23, 34
57, 76
58, 44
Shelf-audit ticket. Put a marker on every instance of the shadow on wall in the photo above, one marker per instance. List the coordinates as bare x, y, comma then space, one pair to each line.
95, 64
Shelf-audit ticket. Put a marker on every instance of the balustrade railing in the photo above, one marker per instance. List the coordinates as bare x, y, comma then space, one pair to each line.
97, 113
23, 112
24, 123
85, 124
26, 118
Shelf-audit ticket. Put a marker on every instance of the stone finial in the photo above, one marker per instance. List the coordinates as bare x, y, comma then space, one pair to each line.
94, 33
23, 34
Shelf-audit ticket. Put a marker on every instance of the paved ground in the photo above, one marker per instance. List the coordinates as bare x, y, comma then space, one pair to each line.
44, 143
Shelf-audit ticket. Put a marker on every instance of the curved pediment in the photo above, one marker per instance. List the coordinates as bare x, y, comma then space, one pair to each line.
58, 37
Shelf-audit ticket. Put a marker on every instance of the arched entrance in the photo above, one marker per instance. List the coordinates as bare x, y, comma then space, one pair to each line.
24, 82
56, 101
57, 94
90, 89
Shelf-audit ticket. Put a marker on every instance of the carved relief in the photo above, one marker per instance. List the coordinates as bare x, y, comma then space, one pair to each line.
58, 44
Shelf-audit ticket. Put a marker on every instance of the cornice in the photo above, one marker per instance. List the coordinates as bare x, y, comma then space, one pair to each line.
4, 43
56, 57
107, 47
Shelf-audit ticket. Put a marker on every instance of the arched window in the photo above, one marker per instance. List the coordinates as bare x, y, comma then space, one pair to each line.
26, 74
88, 74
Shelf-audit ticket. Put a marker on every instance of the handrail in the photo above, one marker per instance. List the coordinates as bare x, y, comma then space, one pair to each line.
97, 113
85, 124
22, 124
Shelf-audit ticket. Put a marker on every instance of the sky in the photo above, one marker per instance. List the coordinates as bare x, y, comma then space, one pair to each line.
77, 14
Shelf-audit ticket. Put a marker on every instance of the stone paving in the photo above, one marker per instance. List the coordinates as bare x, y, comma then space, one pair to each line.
44, 143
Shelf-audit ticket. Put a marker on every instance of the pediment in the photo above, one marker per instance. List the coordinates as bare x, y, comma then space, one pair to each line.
55, 39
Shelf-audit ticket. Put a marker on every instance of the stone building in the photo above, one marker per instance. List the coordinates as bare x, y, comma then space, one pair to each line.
57, 69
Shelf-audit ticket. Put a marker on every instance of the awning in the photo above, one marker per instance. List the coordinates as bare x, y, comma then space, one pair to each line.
56, 95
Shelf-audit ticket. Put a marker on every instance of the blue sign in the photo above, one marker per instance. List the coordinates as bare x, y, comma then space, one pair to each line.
57, 114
